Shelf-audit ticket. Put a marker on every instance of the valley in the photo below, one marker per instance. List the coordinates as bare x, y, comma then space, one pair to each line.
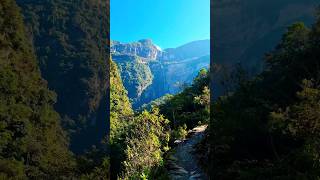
149, 73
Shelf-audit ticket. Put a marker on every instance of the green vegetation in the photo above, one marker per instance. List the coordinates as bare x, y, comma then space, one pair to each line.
156, 103
136, 75
120, 107
69, 40
146, 139
269, 127
139, 140
191, 106
180, 133
32, 144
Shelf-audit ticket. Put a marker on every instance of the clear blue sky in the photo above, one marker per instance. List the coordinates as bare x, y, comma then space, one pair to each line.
169, 23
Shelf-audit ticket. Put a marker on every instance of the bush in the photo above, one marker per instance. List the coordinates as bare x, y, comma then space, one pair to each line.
180, 133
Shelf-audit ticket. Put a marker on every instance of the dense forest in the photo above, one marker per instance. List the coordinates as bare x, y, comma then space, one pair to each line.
31, 135
268, 128
69, 38
34, 144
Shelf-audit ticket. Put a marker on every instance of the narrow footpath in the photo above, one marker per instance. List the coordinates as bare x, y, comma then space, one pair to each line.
182, 164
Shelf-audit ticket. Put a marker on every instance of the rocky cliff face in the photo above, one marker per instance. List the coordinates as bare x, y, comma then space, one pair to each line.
149, 72
144, 49
135, 72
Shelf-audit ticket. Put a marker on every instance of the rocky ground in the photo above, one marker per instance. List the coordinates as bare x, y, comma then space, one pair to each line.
182, 164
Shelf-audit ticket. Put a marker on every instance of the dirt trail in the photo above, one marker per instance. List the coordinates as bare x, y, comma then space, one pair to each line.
181, 162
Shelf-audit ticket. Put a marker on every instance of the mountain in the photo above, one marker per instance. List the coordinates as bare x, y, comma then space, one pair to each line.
243, 30
148, 72
190, 50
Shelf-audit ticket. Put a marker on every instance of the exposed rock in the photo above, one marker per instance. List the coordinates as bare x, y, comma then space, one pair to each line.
161, 72
143, 48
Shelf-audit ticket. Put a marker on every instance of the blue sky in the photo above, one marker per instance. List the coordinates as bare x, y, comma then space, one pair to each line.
169, 23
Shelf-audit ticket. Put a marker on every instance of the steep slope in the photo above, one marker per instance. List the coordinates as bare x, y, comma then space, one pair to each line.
136, 74
120, 114
32, 144
69, 38
149, 72
120, 106
143, 48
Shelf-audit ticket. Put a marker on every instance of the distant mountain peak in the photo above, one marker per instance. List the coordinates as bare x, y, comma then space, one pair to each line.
150, 43
143, 48
158, 47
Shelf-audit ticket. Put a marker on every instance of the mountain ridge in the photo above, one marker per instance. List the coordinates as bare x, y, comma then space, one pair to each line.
163, 71
157, 53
